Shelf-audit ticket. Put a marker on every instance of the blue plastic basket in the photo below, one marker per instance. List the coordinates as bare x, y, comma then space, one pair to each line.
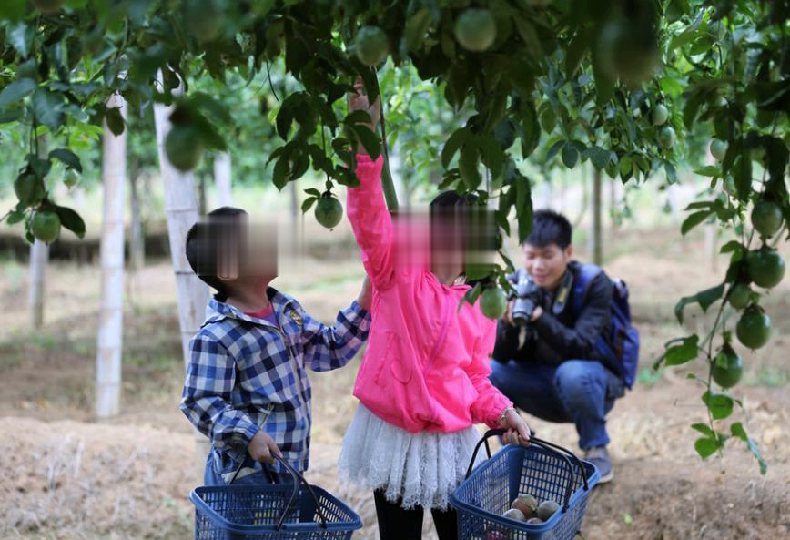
271, 512
547, 471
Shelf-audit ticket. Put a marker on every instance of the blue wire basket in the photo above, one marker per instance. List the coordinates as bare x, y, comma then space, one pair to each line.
543, 469
271, 512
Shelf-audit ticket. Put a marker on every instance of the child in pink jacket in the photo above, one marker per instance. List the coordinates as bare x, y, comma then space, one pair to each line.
423, 382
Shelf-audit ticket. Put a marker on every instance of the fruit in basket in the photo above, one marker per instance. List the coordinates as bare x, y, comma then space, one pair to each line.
513, 513
534, 521
546, 509
527, 504
495, 535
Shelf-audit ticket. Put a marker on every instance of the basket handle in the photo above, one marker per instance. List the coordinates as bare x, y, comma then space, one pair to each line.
570, 456
564, 454
298, 479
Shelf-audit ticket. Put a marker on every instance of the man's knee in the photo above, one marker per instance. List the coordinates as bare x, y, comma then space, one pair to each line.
579, 381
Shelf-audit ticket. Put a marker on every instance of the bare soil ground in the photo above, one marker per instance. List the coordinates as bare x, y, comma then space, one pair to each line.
66, 476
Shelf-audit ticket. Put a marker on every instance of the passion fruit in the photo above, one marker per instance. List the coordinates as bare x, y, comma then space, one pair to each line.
660, 115
718, 148
766, 218
740, 295
766, 267
328, 211
475, 29
666, 137
371, 45
45, 225
493, 303
204, 19
727, 367
183, 147
754, 328
29, 189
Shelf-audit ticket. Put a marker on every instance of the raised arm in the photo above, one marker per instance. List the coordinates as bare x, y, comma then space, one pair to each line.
367, 209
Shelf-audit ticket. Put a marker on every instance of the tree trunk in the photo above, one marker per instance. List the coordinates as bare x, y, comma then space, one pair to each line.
222, 179
137, 237
182, 212
109, 341
597, 221
294, 206
39, 254
202, 198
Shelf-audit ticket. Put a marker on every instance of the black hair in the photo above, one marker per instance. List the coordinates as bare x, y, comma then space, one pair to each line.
204, 242
550, 227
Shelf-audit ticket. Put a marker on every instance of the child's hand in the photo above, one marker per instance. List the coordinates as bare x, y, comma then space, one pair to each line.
366, 294
359, 102
262, 448
518, 431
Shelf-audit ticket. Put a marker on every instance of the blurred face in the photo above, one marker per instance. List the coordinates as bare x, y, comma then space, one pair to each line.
547, 264
248, 254
447, 249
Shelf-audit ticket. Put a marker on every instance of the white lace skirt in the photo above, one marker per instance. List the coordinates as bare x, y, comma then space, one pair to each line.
411, 468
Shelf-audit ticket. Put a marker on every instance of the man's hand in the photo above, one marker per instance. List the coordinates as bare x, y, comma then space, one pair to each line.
366, 294
517, 430
536, 313
359, 102
262, 448
508, 315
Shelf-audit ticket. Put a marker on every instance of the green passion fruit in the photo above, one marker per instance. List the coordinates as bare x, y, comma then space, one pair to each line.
45, 225
753, 328
183, 147
371, 45
493, 303
766, 218
475, 29
727, 367
328, 212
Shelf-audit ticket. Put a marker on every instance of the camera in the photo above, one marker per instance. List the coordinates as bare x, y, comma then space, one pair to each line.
526, 295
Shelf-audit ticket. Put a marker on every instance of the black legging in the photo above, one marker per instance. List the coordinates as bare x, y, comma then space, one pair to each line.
396, 523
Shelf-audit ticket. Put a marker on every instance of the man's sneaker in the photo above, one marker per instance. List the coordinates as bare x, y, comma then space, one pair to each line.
599, 457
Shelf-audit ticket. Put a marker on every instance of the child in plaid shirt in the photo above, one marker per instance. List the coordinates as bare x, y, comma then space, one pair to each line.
246, 384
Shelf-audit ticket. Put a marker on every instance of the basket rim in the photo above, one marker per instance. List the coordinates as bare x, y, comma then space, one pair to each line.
463, 506
221, 521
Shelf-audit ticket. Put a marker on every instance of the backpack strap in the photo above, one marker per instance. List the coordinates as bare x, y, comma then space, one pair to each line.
581, 286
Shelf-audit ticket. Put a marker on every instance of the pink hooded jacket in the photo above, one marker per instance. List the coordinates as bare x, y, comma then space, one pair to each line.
426, 365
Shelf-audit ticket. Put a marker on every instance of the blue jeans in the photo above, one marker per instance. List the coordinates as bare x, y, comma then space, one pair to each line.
220, 469
577, 391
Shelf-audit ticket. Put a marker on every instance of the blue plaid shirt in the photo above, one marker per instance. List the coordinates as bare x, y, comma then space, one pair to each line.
246, 375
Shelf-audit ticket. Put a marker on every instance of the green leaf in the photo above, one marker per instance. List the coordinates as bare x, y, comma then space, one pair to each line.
67, 157
530, 37
48, 108
704, 429
706, 447
313, 191
531, 132
570, 155
554, 149
709, 171
492, 155
282, 170
454, 142
704, 298
523, 207
114, 120
694, 219
71, 220
600, 157
738, 431
682, 353
12, 10
15, 216
16, 91
468, 166
369, 141
732, 246
719, 405
575, 53
307, 203
471, 295
416, 28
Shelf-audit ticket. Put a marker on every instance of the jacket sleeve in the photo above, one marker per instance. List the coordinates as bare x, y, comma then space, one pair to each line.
490, 402
331, 347
370, 220
206, 399
578, 342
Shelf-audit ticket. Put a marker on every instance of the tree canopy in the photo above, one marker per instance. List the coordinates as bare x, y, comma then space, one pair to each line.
636, 87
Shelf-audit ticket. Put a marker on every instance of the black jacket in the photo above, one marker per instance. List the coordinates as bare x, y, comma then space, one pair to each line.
556, 337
